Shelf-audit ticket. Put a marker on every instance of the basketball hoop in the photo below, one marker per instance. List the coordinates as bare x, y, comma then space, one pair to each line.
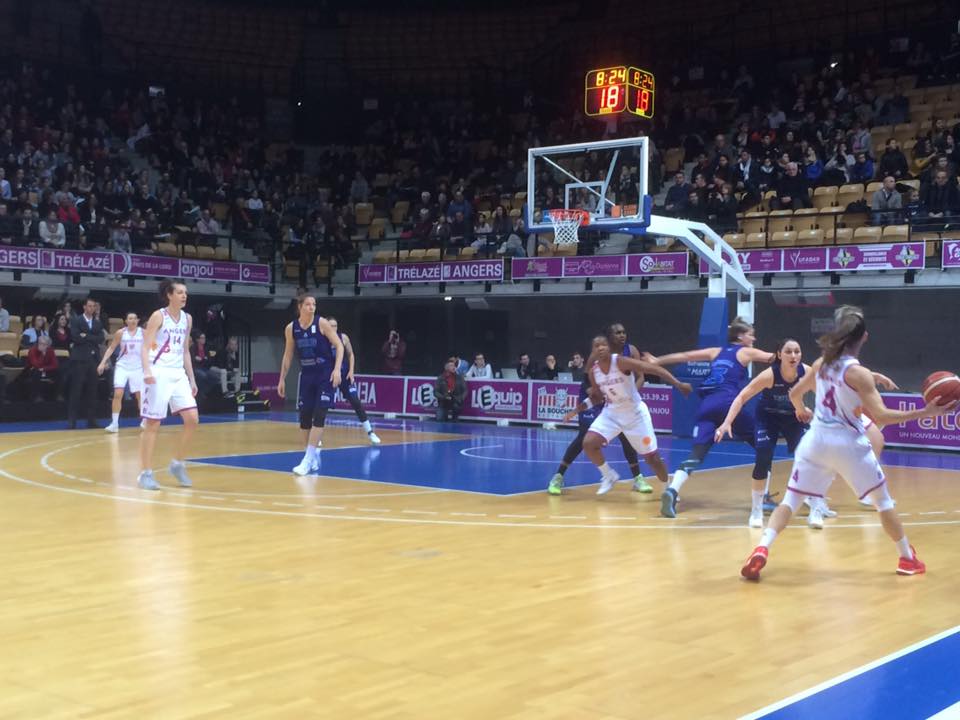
566, 225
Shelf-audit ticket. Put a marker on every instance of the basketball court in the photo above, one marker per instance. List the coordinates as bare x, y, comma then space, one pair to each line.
433, 577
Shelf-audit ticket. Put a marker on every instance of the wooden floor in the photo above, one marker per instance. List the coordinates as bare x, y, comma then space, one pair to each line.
259, 596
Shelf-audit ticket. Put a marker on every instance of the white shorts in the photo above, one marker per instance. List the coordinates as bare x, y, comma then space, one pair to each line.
636, 424
822, 455
171, 389
122, 376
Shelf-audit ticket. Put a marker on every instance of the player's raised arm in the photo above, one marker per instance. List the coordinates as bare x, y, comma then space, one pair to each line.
288, 348
640, 366
862, 381
702, 355
749, 355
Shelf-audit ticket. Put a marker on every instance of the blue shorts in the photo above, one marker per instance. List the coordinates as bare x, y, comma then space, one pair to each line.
711, 414
315, 391
772, 426
587, 417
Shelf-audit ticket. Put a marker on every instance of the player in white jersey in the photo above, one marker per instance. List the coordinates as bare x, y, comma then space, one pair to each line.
128, 369
168, 381
837, 442
624, 411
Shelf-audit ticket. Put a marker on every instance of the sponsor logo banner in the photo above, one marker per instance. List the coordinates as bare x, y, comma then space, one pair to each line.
841, 258
432, 272
600, 266
113, 263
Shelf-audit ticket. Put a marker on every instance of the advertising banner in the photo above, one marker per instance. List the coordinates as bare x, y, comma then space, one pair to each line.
841, 258
432, 272
600, 266
112, 263
497, 399
939, 433
377, 393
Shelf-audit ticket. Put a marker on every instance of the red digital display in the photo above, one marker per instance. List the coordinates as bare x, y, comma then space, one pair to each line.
613, 90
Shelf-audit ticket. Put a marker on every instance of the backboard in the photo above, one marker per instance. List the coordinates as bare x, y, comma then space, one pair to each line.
607, 178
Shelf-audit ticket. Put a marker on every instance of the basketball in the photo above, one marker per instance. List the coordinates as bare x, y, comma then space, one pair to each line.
942, 384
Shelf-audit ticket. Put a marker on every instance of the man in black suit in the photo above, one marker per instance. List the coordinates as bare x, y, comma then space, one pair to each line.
87, 335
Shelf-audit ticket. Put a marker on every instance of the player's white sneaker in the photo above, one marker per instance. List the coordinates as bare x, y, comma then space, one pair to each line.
111, 428
179, 471
374, 440
304, 468
147, 481
756, 518
607, 483
815, 520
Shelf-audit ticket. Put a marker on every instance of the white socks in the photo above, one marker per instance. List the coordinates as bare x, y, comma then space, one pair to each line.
769, 535
679, 478
367, 426
903, 545
756, 497
766, 488
311, 454
606, 470
116, 418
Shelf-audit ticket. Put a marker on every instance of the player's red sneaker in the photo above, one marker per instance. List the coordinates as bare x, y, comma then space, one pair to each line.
756, 561
911, 566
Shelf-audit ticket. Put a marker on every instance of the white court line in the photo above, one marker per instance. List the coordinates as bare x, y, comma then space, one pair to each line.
283, 504
468, 514
374, 510
933, 512
521, 517
420, 512
248, 502
569, 517
329, 507
852, 674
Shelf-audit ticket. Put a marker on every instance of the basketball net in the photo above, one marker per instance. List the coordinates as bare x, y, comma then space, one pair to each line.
566, 225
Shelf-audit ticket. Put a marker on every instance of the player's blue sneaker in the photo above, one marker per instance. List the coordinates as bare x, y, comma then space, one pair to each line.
179, 471
668, 503
146, 481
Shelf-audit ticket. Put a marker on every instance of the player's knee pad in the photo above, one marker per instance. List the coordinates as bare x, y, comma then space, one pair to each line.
319, 417
793, 499
306, 419
763, 463
881, 499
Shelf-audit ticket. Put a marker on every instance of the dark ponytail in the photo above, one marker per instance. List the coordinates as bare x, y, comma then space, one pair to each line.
849, 329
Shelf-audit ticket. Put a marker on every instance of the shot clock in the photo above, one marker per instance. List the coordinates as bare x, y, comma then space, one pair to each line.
615, 90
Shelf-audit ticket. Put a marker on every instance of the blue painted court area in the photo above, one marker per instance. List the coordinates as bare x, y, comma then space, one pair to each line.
913, 684
491, 460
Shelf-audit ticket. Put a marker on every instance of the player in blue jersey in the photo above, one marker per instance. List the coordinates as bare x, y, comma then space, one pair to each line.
775, 418
347, 388
728, 376
320, 352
